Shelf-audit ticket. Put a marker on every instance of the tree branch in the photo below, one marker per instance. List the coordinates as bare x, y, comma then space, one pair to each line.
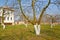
19, 1
34, 14
43, 10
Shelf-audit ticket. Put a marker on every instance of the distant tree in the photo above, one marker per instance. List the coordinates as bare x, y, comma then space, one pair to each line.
58, 18
52, 19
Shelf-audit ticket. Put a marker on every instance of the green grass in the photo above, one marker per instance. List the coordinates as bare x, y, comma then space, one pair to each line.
20, 32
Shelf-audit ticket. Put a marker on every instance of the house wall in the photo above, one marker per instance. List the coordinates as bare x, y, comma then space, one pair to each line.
8, 17
1, 11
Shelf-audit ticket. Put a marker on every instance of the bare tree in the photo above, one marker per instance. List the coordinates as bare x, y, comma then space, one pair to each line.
35, 22
52, 19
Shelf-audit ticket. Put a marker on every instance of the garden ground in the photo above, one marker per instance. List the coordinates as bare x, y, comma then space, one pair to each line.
20, 32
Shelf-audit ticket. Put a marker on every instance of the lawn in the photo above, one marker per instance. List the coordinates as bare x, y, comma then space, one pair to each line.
20, 32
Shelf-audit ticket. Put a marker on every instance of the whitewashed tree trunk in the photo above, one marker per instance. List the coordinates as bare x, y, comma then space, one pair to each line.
51, 25
37, 29
3, 26
26, 25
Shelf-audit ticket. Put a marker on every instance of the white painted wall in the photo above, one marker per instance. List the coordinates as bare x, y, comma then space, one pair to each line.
10, 15
1, 11
10, 19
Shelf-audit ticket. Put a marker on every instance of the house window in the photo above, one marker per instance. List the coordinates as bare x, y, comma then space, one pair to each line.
7, 18
11, 18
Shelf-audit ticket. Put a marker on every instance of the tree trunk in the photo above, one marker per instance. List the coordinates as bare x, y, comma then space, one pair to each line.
3, 25
26, 25
37, 29
51, 25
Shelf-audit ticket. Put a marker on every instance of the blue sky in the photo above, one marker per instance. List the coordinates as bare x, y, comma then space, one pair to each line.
2, 2
53, 8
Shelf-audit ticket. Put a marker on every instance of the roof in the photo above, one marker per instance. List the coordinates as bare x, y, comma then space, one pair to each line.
7, 8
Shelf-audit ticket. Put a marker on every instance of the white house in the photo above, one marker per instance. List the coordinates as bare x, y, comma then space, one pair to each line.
8, 15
